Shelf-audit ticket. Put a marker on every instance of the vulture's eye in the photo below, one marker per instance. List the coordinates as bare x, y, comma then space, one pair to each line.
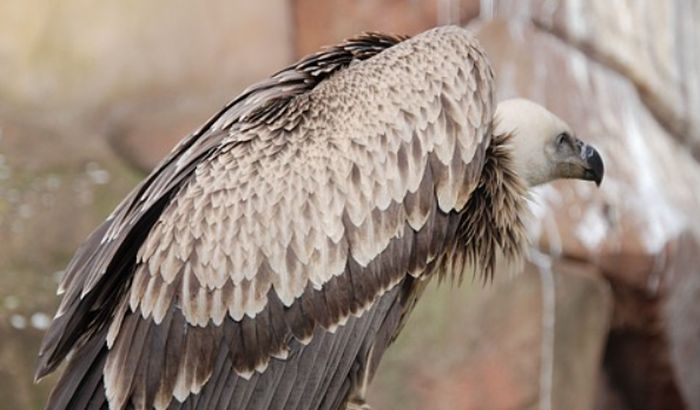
561, 139
564, 141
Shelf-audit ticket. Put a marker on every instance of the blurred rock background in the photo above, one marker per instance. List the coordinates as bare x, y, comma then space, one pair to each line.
606, 313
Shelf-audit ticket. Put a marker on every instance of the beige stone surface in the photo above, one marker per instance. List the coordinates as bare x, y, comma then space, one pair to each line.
652, 43
640, 229
681, 313
652, 185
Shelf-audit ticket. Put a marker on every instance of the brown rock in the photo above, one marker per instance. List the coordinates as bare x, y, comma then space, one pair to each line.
681, 313
319, 23
537, 336
583, 311
639, 229
649, 43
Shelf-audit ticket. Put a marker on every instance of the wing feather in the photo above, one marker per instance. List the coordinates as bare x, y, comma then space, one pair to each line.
265, 254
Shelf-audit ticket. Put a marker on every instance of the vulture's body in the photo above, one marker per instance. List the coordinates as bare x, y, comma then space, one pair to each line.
273, 256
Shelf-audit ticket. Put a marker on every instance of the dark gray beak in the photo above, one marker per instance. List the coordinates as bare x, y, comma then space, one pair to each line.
593, 164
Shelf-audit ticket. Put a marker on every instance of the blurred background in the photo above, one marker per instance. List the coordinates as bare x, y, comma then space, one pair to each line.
606, 314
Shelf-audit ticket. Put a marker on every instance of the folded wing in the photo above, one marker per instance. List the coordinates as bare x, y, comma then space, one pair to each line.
272, 247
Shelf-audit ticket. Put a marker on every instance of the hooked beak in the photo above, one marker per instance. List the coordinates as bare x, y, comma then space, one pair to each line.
592, 164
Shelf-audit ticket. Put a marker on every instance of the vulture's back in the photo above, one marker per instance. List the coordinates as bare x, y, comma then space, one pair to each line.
273, 256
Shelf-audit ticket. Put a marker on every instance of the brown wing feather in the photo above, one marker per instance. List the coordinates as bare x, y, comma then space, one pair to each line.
292, 231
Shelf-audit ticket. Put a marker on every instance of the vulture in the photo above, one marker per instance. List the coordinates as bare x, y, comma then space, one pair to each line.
272, 257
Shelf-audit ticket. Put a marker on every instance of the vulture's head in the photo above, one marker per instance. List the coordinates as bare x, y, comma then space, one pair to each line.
545, 148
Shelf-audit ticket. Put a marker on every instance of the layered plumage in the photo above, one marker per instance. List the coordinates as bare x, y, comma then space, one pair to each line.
273, 256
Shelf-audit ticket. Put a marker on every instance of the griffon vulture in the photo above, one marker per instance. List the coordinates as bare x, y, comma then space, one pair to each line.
274, 254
